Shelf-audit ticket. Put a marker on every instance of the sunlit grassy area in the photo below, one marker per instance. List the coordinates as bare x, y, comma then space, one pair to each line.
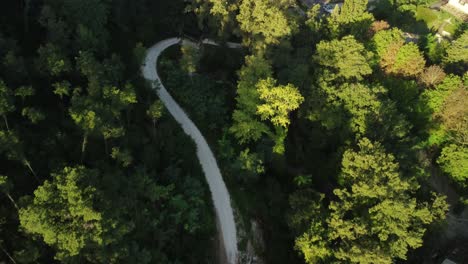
437, 20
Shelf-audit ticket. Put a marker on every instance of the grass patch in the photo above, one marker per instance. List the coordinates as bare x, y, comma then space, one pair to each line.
437, 20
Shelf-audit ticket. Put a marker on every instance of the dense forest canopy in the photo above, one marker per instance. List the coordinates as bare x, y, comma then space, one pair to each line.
342, 134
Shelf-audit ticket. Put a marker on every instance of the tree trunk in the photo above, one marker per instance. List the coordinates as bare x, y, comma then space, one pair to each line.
12, 201
83, 146
26, 162
8, 255
6, 122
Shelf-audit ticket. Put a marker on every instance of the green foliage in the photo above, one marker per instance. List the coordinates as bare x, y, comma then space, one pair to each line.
358, 110
122, 156
265, 22
6, 101
251, 163
190, 59
433, 49
409, 61
52, 60
33, 114
454, 161
384, 38
246, 127
345, 58
24, 91
278, 101
351, 18
395, 56
457, 51
155, 110
375, 218
435, 97
62, 88
62, 212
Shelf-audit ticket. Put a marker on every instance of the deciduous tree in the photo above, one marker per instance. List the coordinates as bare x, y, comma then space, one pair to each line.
62, 212
345, 58
375, 217
265, 22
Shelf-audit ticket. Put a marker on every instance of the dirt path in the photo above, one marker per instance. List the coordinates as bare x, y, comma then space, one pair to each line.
219, 192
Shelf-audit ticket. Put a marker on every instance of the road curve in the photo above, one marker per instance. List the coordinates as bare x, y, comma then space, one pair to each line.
219, 192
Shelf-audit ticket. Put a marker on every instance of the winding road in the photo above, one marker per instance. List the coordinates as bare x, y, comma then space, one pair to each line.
219, 192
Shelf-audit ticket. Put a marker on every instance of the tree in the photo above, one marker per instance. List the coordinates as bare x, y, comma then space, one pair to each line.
395, 56
155, 112
454, 161
11, 146
62, 88
246, 126
265, 22
52, 60
406, 60
456, 52
345, 58
190, 59
375, 217
454, 115
384, 38
62, 212
33, 114
432, 76
6, 102
123, 156
278, 101
359, 110
101, 112
5, 187
432, 103
351, 18
378, 26
24, 92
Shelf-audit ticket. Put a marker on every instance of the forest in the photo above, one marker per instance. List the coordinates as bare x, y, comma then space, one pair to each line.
340, 129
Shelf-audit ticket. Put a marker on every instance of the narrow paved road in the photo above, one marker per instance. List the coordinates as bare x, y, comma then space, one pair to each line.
219, 192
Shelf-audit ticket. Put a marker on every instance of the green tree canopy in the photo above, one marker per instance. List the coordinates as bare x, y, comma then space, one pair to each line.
454, 161
375, 217
62, 212
246, 126
345, 58
457, 52
266, 22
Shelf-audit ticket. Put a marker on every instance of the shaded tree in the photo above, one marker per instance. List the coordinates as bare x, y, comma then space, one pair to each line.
345, 58
375, 216
62, 212
265, 22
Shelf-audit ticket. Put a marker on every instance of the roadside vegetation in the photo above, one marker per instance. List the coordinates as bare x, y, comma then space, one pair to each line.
329, 129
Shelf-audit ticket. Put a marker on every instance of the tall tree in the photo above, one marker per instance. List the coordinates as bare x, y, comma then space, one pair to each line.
5, 187
375, 217
6, 102
265, 22
62, 212
346, 59
351, 18
457, 52
278, 101
246, 126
